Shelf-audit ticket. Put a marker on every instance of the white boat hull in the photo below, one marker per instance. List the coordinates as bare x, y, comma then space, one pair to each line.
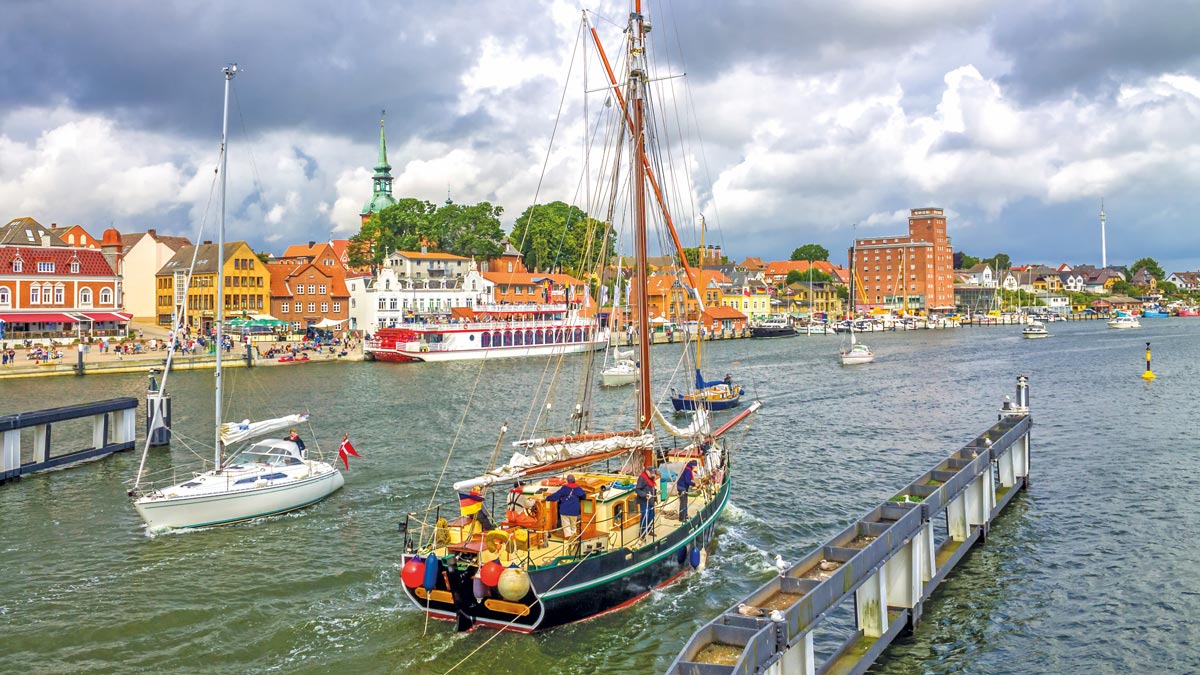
1124, 324
857, 359
172, 509
1034, 336
618, 379
515, 351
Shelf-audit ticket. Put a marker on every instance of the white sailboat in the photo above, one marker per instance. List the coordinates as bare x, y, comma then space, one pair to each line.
857, 353
263, 478
624, 369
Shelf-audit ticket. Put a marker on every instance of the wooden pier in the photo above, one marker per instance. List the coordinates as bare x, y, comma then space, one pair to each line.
113, 429
880, 570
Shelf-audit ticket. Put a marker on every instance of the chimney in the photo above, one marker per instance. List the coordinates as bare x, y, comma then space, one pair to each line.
46, 239
311, 243
153, 234
54, 226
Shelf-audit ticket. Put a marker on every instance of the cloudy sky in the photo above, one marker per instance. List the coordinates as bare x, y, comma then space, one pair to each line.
1016, 117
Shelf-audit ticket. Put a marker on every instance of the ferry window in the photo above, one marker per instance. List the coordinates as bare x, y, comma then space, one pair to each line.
578, 335
485, 340
537, 336
519, 338
508, 339
529, 337
496, 338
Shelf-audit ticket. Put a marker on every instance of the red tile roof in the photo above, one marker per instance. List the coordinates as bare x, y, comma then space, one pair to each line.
91, 261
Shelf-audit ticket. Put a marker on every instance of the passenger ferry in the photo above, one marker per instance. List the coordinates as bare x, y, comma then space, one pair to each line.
490, 331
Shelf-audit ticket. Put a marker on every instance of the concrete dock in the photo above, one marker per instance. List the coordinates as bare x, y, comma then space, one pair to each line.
879, 571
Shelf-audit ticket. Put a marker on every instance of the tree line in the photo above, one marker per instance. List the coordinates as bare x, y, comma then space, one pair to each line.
551, 236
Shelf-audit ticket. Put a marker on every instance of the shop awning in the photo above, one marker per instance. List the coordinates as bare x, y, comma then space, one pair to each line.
107, 316
38, 318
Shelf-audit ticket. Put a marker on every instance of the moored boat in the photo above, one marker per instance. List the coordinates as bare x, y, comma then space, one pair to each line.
774, 327
1124, 321
494, 331
1035, 329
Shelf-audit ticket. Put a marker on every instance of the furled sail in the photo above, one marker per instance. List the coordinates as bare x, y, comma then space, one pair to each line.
538, 453
235, 432
623, 355
698, 426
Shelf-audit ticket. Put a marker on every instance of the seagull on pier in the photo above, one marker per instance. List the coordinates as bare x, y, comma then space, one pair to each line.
776, 616
781, 565
747, 610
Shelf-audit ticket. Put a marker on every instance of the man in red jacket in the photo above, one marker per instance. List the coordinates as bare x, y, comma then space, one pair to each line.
647, 492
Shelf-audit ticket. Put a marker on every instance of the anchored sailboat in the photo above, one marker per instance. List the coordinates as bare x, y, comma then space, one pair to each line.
575, 524
262, 478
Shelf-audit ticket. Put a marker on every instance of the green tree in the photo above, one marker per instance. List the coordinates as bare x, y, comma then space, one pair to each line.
692, 255
556, 235
969, 261
469, 230
1148, 264
399, 227
811, 252
1000, 261
808, 276
1122, 288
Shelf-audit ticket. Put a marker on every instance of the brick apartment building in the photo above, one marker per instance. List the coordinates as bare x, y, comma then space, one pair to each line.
920, 265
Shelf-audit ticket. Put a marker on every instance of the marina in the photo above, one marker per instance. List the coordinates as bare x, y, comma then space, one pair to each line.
835, 445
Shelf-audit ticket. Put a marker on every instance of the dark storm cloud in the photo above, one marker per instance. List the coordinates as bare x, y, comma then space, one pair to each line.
315, 65
1057, 48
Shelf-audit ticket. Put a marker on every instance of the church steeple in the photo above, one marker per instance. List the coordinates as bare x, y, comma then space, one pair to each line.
381, 196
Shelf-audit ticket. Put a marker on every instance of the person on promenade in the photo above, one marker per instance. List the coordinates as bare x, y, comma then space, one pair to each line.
568, 498
647, 492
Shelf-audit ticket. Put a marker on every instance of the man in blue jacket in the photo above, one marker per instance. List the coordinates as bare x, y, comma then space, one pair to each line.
568, 497
686, 480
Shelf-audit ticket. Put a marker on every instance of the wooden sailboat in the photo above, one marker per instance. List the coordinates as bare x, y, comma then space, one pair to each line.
262, 478
578, 524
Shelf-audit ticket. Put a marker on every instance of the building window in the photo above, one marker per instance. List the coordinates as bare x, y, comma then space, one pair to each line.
324, 307
312, 307
311, 290
85, 297
322, 289
285, 308
45, 267
18, 265
58, 295
74, 267
35, 295
5, 298
337, 307
106, 297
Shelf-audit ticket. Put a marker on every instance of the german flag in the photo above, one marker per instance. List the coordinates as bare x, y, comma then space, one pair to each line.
470, 503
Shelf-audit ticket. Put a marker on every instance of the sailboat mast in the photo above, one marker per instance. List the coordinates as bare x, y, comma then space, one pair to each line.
637, 96
229, 71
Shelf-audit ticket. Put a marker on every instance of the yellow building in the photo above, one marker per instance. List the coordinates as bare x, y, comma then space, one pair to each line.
814, 298
247, 285
753, 300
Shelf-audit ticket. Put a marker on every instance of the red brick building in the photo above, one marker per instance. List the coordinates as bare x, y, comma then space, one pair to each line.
920, 265
308, 285
58, 292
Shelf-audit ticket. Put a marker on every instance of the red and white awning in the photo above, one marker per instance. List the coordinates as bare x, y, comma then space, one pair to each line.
31, 317
107, 316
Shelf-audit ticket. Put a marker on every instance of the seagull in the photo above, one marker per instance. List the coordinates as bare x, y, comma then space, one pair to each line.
776, 616
747, 610
781, 565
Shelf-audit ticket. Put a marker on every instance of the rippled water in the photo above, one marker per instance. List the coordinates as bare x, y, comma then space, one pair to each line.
1094, 569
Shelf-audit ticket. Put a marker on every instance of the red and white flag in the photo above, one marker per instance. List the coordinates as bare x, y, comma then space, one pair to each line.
746, 290
345, 450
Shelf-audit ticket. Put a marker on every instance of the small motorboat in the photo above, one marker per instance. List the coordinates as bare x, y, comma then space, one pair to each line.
1035, 329
1124, 321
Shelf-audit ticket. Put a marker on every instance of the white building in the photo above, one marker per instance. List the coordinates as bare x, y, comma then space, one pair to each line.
415, 287
144, 254
982, 275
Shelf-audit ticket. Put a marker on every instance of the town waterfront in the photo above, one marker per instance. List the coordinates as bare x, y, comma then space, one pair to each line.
1093, 569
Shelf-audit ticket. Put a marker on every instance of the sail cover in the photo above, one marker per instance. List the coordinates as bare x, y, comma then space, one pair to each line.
701, 384
623, 355
535, 455
698, 426
236, 432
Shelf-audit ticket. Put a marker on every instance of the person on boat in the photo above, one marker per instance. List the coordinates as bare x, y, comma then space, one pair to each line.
568, 498
729, 381
647, 492
519, 508
295, 438
685, 482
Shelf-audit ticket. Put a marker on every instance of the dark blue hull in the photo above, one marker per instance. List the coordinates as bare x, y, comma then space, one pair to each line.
682, 403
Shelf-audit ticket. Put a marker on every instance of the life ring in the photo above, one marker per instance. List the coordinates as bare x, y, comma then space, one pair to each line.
495, 540
424, 348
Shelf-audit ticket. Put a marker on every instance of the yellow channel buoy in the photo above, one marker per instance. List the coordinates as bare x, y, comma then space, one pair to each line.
1148, 375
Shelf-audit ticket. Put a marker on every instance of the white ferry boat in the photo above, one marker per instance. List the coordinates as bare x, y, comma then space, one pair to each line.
491, 331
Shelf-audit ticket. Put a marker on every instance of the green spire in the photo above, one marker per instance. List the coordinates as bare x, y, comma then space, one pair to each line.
381, 198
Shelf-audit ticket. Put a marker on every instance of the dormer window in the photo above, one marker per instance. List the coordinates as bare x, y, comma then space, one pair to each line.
46, 267
74, 267
18, 265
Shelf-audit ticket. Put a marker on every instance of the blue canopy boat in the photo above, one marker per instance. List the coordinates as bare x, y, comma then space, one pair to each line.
710, 395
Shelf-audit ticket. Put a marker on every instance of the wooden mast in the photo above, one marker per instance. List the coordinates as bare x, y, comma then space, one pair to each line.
636, 84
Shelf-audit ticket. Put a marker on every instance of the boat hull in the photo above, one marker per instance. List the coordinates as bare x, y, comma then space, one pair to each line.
434, 356
1123, 325
572, 592
161, 513
773, 332
856, 360
683, 403
618, 379
1035, 336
